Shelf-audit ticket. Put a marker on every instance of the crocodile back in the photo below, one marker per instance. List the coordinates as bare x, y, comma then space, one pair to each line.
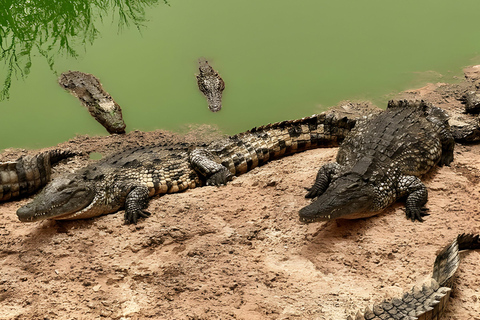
400, 139
162, 168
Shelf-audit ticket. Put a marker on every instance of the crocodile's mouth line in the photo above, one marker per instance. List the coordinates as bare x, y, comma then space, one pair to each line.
315, 219
47, 214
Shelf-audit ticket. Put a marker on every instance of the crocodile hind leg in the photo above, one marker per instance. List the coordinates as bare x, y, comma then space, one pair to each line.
204, 162
135, 203
324, 177
417, 196
439, 118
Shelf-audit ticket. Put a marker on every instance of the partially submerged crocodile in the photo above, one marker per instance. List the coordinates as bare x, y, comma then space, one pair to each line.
28, 174
429, 301
128, 179
88, 89
210, 84
381, 161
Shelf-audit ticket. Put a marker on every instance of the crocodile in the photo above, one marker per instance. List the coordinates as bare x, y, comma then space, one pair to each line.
28, 174
472, 102
129, 178
429, 300
210, 84
381, 161
89, 91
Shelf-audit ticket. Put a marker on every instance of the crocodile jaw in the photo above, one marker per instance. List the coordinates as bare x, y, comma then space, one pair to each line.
312, 213
342, 200
58, 200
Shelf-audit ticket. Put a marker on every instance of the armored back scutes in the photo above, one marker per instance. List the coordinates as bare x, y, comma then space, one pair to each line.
328, 119
447, 261
430, 298
380, 161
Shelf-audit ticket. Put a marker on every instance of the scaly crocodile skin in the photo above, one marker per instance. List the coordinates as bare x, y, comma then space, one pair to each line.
381, 161
128, 179
429, 301
28, 174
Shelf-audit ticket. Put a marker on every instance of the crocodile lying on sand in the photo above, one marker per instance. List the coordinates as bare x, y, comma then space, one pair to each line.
28, 174
129, 178
381, 161
88, 89
210, 84
429, 301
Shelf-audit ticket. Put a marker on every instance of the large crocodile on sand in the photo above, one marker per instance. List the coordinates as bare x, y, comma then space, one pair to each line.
129, 178
430, 300
28, 174
381, 161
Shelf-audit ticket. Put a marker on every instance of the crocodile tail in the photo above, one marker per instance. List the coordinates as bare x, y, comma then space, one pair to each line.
28, 173
446, 264
430, 298
56, 155
429, 301
468, 241
447, 261
332, 124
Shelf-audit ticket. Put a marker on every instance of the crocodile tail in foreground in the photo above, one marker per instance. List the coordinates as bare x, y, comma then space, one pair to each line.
428, 301
28, 173
448, 259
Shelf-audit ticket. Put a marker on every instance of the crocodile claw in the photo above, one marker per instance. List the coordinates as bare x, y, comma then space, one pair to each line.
312, 192
131, 217
417, 214
219, 178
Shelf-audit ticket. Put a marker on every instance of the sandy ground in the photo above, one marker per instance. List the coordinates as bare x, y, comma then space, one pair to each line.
237, 251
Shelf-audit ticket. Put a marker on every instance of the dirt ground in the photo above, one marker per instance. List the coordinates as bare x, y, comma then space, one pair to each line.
238, 251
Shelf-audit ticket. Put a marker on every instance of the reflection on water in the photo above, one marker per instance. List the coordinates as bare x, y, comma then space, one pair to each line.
53, 27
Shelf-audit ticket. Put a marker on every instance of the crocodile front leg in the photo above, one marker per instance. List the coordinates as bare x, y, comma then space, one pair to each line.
204, 163
323, 179
135, 203
417, 196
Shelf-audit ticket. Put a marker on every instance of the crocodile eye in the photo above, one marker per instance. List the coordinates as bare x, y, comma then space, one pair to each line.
354, 185
62, 187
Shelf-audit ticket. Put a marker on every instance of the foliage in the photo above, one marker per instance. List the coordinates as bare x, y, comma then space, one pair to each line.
55, 27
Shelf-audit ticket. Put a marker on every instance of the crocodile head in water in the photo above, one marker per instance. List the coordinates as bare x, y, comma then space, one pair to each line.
210, 84
62, 198
347, 197
213, 93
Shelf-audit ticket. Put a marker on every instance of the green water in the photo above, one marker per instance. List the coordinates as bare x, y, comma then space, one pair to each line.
279, 59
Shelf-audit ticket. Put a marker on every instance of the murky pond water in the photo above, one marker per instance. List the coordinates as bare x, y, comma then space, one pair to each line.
279, 59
